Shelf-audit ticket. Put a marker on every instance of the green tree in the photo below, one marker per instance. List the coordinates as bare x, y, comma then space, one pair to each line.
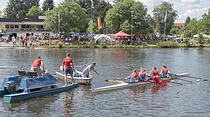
201, 40
48, 5
94, 27
187, 21
160, 12
69, 15
0, 13
191, 29
35, 11
205, 23
129, 16
19, 7
174, 31
100, 9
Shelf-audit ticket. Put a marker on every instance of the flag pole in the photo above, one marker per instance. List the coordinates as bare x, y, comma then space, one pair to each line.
165, 25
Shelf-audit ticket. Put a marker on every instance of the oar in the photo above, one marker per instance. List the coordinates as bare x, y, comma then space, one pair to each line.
176, 83
114, 81
198, 79
184, 80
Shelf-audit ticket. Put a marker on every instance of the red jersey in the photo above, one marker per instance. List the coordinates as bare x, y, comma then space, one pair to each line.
37, 63
155, 71
68, 62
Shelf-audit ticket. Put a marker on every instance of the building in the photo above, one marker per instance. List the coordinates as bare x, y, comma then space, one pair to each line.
24, 25
178, 25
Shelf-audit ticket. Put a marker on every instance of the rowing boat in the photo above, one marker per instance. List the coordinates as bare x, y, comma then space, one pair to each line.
76, 77
123, 84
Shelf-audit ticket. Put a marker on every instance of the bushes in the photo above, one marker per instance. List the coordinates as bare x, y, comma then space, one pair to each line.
201, 40
92, 44
187, 42
103, 45
168, 44
60, 45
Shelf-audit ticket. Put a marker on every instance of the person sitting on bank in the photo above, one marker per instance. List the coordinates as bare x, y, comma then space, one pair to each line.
134, 77
36, 66
69, 66
87, 71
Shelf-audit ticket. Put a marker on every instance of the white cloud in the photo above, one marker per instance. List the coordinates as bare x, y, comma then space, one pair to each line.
190, 1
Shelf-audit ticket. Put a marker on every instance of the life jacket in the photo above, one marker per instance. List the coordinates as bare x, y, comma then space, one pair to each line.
143, 75
133, 77
164, 72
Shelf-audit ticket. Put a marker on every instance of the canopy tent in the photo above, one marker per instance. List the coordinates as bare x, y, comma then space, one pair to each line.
204, 35
177, 38
121, 34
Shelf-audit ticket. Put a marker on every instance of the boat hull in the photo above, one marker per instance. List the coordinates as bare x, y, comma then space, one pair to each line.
28, 95
80, 80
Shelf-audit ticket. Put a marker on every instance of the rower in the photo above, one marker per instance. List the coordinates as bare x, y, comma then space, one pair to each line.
36, 66
165, 72
157, 79
143, 74
153, 72
133, 77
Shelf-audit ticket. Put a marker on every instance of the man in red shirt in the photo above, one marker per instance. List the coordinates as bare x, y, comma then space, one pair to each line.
69, 66
36, 66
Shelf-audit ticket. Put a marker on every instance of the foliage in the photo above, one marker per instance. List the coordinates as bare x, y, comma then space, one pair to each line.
60, 45
100, 9
92, 44
191, 29
168, 44
35, 11
48, 5
174, 31
201, 40
127, 15
19, 7
69, 16
187, 42
103, 45
187, 21
159, 13
205, 23
94, 27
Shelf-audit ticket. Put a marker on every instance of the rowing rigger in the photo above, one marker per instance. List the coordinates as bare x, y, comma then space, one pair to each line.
125, 84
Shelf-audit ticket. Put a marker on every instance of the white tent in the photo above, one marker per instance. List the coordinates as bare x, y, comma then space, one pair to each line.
103, 37
204, 35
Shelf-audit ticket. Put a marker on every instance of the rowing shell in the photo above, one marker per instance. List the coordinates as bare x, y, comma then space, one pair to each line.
125, 85
80, 79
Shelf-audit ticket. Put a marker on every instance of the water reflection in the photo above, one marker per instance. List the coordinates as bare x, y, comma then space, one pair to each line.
68, 103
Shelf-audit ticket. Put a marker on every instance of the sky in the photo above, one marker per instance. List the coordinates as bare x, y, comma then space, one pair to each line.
192, 8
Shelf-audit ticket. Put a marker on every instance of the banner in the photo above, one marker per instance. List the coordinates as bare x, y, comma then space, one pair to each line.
99, 23
92, 4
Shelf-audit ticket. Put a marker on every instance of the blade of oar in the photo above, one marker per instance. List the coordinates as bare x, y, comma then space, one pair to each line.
114, 81
198, 79
176, 83
184, 80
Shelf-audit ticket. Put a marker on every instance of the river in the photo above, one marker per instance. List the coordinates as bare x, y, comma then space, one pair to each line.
189, 100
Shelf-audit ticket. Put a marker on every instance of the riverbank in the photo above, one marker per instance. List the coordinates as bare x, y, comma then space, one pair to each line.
173, 45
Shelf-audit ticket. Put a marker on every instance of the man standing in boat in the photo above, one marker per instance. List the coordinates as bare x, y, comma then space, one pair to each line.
69, 66
87, 71
36, 66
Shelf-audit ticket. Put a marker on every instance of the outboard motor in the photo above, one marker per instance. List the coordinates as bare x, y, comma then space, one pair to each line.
11, 87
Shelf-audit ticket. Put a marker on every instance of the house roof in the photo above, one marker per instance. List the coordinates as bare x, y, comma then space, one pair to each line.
24, 19
179, 24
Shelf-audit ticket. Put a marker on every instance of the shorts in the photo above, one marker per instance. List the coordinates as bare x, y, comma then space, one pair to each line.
68, 71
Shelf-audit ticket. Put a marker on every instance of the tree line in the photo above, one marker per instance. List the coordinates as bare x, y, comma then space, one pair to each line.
128, 15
